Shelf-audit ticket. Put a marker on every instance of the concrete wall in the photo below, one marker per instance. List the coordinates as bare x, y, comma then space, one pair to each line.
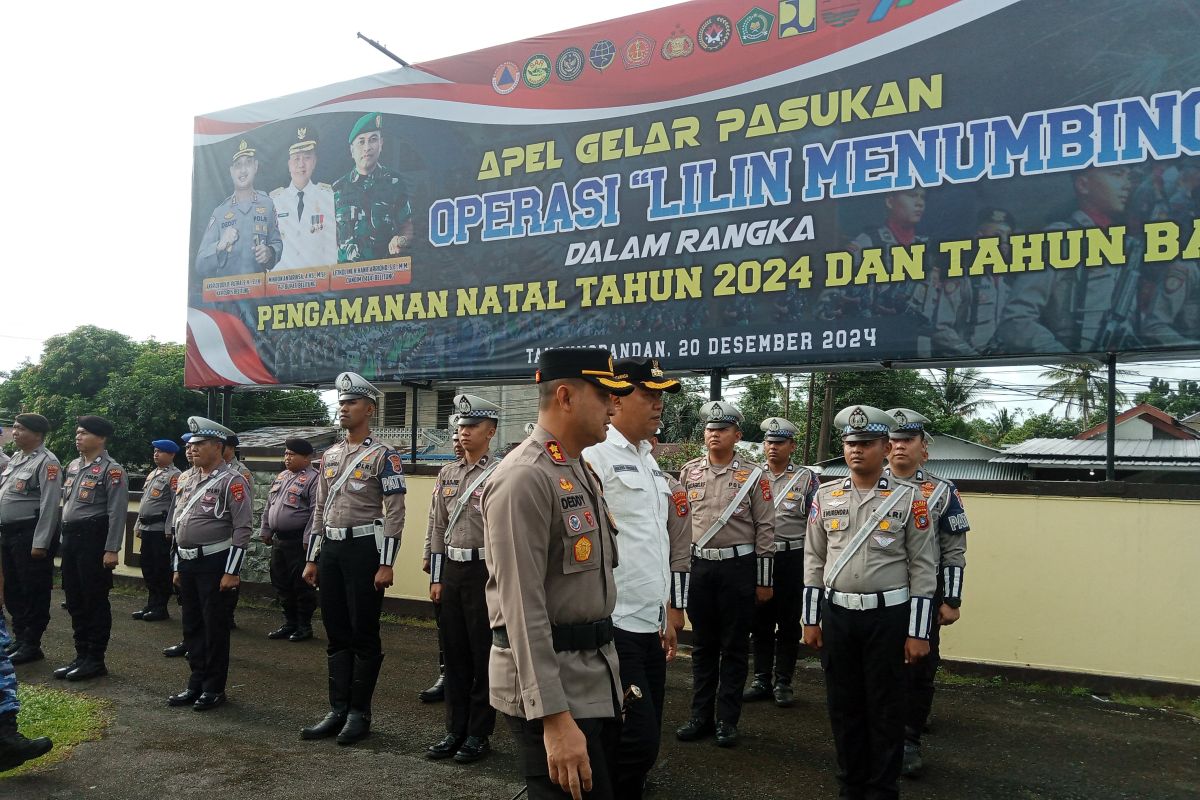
1092, 585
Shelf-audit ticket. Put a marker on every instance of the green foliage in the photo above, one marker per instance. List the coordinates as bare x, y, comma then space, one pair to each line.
1181, 401
67, 718
1044, 426
1080, 387
679, 455
136, 385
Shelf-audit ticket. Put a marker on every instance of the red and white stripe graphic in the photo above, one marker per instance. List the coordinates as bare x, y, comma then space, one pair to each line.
221, 352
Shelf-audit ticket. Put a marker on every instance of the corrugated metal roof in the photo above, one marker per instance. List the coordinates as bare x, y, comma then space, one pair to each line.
1091, 452
955, 469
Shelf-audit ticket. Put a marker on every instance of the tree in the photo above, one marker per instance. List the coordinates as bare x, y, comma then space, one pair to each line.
1044, 426
1180, 402
957, 392
1079, 386
761, 397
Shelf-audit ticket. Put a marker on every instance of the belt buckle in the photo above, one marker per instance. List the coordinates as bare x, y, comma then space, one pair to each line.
854, 602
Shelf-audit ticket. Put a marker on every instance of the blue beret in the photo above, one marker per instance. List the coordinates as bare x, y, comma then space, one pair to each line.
166, 445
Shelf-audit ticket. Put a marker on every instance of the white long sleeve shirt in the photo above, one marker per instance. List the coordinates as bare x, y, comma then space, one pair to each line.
639, 499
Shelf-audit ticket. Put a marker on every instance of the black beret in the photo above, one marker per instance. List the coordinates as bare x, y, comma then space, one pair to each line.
301, 447
592, 364
233, 441
97, 425
34, 422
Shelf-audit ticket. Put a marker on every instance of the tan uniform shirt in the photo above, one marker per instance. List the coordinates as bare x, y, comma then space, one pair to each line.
31, 486
949, 518
158, 499
710, 489
289, 506
551, 549
374, 490
679, 531
185, 476
222, 511
452, 481
94, 489
791, 505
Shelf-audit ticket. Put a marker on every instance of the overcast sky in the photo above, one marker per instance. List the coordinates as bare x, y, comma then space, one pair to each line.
100, 101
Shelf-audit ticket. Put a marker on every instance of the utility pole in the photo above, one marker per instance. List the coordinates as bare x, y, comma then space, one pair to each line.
812, 390
826, 419
787, 395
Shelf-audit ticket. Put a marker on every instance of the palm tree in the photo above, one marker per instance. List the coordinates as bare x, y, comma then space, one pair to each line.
956, 392
1078, 385
1003, 421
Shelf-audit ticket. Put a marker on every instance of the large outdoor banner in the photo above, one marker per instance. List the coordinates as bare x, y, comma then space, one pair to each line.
719, 184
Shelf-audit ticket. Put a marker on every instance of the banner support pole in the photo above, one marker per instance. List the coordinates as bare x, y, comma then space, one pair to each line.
714, 384
1110, 457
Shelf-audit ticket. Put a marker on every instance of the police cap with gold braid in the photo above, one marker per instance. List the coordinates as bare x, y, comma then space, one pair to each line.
646, 372
591, 364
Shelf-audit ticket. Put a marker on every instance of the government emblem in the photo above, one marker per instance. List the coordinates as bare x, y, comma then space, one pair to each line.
797, 17
602, 54
638, 51
583, 548
714, 33
569, 64
537, 71
756, 26
505, 78
678, 45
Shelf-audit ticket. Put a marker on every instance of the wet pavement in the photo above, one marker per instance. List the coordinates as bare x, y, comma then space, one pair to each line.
987, 741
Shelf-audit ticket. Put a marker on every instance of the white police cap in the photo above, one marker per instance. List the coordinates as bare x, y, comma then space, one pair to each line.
720, 414
909, 423
472, 410
778, 429
351, 386
204, 428
862, 423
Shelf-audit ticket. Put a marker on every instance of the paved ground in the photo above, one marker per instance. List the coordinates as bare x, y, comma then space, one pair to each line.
988, 741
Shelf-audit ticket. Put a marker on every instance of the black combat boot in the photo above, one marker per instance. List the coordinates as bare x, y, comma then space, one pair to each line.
15, 749
341, 670
358, 721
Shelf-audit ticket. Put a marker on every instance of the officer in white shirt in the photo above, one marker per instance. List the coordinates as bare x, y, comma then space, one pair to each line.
304, 209
650, 597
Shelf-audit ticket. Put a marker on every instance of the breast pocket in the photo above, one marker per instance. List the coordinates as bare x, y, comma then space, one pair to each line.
885, 537
581, 546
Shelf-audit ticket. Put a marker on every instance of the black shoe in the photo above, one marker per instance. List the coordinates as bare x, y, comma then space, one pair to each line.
446, 748
88, 668
15, 749
784, 696
175, 650
283, 631
208, 701
155, 616
357, 726
695, 730
759, 689
61, 672
435, 693
303, 633
727, 734
331, 725
912, 766
27, 653
139, 614
473, 749
185, 698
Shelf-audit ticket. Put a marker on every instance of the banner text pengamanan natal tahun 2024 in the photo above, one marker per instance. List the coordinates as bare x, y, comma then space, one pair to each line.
719, 184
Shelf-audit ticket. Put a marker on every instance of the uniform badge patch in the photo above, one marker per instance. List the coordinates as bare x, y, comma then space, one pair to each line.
84, 494
358, 474
680, 501
52, 473
884, 525
96, 470
329, 473
815, 512
588, 518
574, 522
764, 486
791, 495
114, 476
885, 492
153, 492
694, 495
884, 541
238, 491
396, 462
175, 483
19, 486
837, 492
927, 489
695, 473
835, 524
448, 491
556, 452
583, 549
921, 512
566, 485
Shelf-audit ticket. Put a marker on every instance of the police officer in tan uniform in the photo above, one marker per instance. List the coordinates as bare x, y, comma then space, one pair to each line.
869, 580
550, 549
733, 556
457, 578
776, 632
286, 519
30, 493
95, 502
155, 511
910, 450
356, 530
212, 531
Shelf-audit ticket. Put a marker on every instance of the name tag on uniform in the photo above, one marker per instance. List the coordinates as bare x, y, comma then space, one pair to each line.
625, 468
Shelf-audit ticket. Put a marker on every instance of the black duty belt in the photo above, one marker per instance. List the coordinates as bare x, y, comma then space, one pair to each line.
18, 527
584, 636
153, 519
288, 536
89, 525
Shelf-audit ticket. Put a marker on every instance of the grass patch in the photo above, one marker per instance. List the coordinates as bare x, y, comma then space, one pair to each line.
67, 718
1180, 705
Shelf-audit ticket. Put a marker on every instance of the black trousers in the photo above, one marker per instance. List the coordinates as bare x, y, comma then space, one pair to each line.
721, 607
299, 600
776, 630
863, 658
156, 569
602, 736
467, 638
350, 603
920, 684
643, 664
87, 583
206, 612
27, 582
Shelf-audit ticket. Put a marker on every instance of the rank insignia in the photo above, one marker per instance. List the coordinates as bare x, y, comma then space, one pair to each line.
756, 26
837, 492
714, 33
505, 79
574, 522
694, 495
583, 549
569, 64
537, 71
678, 45
638, 51
329, 473
791, 496
927, 489
555, 451
358, 474
835, 524
884, 525
52, 472
796, 17
885, 492
589, 519
680, 501
566, 485
238, 491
